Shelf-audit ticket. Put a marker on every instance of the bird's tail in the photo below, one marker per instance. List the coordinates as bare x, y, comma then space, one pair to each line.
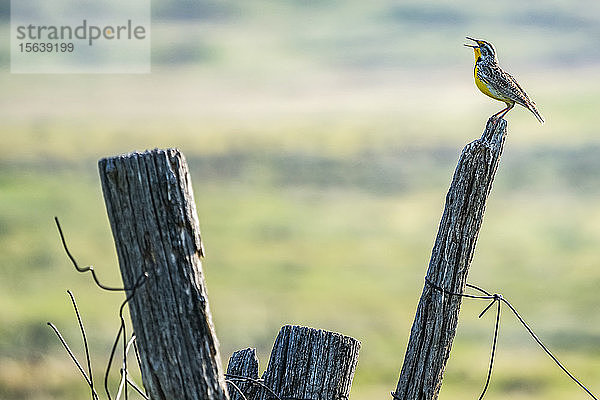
531, 107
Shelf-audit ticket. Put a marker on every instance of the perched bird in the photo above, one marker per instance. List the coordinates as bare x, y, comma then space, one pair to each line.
496, 83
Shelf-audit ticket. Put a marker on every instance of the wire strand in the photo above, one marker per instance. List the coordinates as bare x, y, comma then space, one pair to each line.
85, 345
255, 381
124, 381
499, 299
66, 346
85, 269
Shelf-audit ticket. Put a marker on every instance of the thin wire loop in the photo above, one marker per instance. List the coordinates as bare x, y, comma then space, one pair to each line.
125, 381
254, 381
84, 269
494, 343
122, 330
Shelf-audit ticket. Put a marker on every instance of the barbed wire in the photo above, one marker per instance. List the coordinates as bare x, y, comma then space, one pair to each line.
498, 299
124, 381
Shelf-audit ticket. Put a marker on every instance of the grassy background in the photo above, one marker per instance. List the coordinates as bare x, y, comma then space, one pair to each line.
321, 137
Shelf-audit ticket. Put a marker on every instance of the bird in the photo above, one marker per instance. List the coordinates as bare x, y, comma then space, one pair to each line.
497, 83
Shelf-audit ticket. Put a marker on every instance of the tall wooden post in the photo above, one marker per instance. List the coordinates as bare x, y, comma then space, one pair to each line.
436, 319
152, 214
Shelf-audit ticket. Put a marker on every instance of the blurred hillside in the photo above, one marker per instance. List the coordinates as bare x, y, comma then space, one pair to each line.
322, 137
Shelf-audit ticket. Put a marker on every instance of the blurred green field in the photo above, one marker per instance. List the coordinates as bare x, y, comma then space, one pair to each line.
321, 139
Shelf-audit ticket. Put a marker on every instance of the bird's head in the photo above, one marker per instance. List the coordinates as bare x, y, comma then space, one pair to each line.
483, 50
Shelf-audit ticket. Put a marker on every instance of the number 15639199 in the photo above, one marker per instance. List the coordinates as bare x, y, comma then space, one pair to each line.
46, 47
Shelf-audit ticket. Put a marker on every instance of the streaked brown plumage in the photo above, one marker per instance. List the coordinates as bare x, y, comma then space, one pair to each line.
497, 83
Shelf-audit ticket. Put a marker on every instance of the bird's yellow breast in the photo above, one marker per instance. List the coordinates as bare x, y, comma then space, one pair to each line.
485, 89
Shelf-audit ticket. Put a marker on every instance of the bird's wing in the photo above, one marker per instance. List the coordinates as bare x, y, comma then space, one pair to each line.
508, 86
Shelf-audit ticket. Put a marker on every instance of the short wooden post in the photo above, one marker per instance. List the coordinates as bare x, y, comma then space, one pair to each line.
436, 319
152, 214
242, 363
311, 364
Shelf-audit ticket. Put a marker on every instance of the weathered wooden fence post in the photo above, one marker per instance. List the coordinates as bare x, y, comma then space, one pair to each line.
436, 318
305, 364
152, 214
311, 364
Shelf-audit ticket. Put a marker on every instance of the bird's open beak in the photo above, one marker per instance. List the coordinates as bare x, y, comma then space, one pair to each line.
472, 45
